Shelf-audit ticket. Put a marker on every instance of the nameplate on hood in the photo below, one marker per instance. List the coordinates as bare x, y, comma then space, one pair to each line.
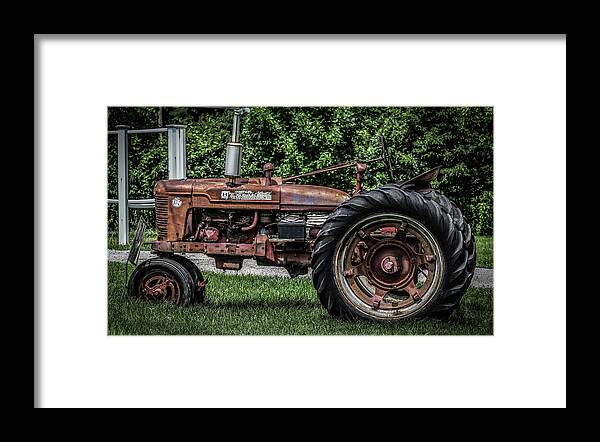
246, 195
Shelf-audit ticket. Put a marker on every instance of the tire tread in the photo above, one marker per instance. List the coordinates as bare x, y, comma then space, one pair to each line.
435, 210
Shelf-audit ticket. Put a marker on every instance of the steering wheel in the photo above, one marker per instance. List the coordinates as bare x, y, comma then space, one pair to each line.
386, 158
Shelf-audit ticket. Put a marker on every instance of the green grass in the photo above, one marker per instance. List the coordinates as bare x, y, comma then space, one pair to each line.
260, 305
485, 251
485, 256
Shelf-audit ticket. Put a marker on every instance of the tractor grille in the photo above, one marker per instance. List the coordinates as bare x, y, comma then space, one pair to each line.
162, 215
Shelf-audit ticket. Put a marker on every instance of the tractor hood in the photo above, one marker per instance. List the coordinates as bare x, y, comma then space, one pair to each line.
255, 194
172, 187
311, 196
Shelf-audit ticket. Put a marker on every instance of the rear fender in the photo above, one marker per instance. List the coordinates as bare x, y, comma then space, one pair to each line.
423, 181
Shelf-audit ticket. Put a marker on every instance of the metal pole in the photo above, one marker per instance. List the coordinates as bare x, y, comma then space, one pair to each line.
177, 151
183, 156
147, 203
160, 121
123, 185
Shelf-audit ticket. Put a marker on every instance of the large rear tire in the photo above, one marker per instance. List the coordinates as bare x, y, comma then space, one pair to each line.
393, 253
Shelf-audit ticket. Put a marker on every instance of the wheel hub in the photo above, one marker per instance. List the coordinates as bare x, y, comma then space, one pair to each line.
160, 288
390, 265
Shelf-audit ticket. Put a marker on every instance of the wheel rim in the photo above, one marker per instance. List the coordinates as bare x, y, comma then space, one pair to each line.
388, 266
160, 287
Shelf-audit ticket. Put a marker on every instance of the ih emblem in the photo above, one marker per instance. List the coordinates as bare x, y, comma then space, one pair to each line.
246, 195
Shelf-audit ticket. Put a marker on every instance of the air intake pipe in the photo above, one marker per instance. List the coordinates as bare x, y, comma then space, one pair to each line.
233, 156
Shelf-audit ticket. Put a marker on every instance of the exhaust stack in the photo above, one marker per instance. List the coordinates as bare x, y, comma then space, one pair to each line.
233, 157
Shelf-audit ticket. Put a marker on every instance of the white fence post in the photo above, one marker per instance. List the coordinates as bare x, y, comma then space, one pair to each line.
177, 151
177, 170
123, 186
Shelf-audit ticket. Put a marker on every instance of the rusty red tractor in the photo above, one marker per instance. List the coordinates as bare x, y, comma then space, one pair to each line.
398, 251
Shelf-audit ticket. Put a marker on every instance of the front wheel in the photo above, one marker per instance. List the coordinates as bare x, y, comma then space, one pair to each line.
391, 253
162, 280
199, 282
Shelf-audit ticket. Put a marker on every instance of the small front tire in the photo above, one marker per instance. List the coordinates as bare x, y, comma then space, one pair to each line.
162, 280
197, 277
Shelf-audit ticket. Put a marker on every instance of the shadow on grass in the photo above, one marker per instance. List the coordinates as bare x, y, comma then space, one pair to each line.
259, 305
249, 304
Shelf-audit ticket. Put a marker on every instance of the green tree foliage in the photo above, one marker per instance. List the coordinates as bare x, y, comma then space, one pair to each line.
298, 140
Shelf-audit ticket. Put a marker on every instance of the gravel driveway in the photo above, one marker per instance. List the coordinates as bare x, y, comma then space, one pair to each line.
482, 278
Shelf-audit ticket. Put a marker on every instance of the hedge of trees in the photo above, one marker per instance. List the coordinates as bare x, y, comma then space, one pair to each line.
298, 140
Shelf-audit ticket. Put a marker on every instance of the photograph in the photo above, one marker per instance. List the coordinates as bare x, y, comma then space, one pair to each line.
261, 220
300, 221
